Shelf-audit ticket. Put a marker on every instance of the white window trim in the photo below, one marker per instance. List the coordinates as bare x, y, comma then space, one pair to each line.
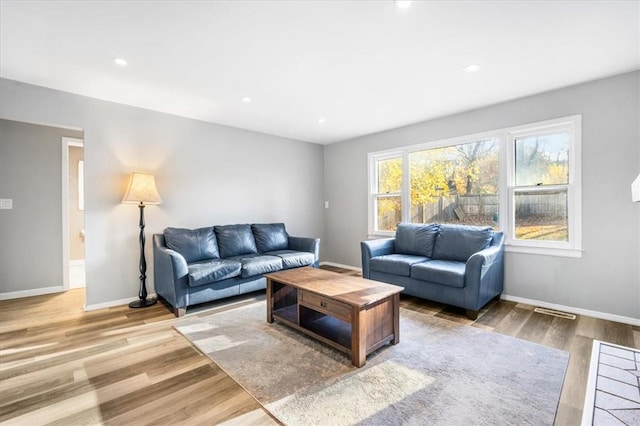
573, 247
506, 138
373, 158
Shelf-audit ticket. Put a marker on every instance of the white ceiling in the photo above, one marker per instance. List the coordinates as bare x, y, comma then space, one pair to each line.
364, 66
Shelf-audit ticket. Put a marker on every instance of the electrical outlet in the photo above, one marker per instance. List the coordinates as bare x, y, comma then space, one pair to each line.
6, 204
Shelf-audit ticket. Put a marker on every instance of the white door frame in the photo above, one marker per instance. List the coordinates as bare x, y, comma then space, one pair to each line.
66, 143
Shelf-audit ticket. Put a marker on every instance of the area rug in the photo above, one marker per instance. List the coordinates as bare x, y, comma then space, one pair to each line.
440, 373
613, 389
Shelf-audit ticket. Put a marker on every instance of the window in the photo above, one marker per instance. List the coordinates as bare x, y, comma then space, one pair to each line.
387, 191
523, 180
456, 183
544, 186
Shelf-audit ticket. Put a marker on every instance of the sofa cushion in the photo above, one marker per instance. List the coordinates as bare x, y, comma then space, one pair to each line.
445, 272
270, 236
459, 242
235, 240
396, 264
192, 244
293, 259
209, 271
258, 264
416, 239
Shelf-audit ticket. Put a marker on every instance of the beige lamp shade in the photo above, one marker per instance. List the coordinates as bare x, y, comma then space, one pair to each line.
142, 189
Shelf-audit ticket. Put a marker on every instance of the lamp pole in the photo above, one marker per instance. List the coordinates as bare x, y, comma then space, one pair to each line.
142, 294
141, 190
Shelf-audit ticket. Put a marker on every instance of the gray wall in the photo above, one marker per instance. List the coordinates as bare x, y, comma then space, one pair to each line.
210, 174
206, 174
606, 278
31, 175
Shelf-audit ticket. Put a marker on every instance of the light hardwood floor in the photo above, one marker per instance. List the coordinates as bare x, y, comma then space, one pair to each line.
120, 366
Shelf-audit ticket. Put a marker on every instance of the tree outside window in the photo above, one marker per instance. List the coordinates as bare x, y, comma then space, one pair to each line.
541, 187
524, 180
388, 193
456, 184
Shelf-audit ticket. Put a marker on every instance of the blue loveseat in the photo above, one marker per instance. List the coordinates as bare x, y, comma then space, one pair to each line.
454, 264
194, 266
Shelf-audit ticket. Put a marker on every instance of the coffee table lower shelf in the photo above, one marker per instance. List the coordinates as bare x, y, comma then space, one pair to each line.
325, 328
354, 325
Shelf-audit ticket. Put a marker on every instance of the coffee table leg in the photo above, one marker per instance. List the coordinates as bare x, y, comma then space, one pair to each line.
358, 339
396, 319
269, 301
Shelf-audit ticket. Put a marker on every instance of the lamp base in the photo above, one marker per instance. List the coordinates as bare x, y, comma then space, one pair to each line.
143, 303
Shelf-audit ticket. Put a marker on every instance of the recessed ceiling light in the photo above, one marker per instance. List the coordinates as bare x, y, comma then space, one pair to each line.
120, 61
472, 67
402, 4
321, 120
246, 99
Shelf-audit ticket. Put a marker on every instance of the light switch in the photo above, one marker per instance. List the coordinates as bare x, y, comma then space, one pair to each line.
326, 204
6, 204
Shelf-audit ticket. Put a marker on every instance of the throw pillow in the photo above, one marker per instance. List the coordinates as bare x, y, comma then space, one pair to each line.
270, 236
416, 239
235, 240
192, 244
459, 242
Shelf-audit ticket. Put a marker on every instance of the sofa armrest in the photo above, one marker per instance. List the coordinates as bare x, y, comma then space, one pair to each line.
484, 276
170, 273
311, 245
373, 248
484, 259
481, 261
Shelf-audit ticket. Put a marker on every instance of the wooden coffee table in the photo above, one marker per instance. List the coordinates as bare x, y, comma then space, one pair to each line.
351, 314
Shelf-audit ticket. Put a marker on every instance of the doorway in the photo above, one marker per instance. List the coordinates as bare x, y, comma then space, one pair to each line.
73, 264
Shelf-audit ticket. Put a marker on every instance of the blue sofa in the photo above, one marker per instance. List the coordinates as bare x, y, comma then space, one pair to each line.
194, 266
457, 265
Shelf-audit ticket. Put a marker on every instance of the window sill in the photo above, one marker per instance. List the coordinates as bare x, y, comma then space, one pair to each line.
510, 248
381, 236
545, 251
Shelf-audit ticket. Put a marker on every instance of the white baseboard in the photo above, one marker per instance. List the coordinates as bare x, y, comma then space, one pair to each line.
113, 303
340, 265
28, 293
570, 309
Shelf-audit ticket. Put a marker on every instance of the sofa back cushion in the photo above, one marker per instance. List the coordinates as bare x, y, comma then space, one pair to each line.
416, 239
270, 236
234, 240
459, 242
193, 244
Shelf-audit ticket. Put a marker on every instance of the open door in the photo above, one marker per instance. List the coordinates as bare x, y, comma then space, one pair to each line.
73, 213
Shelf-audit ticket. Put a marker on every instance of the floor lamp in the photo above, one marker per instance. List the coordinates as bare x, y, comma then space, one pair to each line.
142, 190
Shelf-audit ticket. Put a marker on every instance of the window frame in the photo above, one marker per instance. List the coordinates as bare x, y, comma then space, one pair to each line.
374, 195
506, 138
573, 247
